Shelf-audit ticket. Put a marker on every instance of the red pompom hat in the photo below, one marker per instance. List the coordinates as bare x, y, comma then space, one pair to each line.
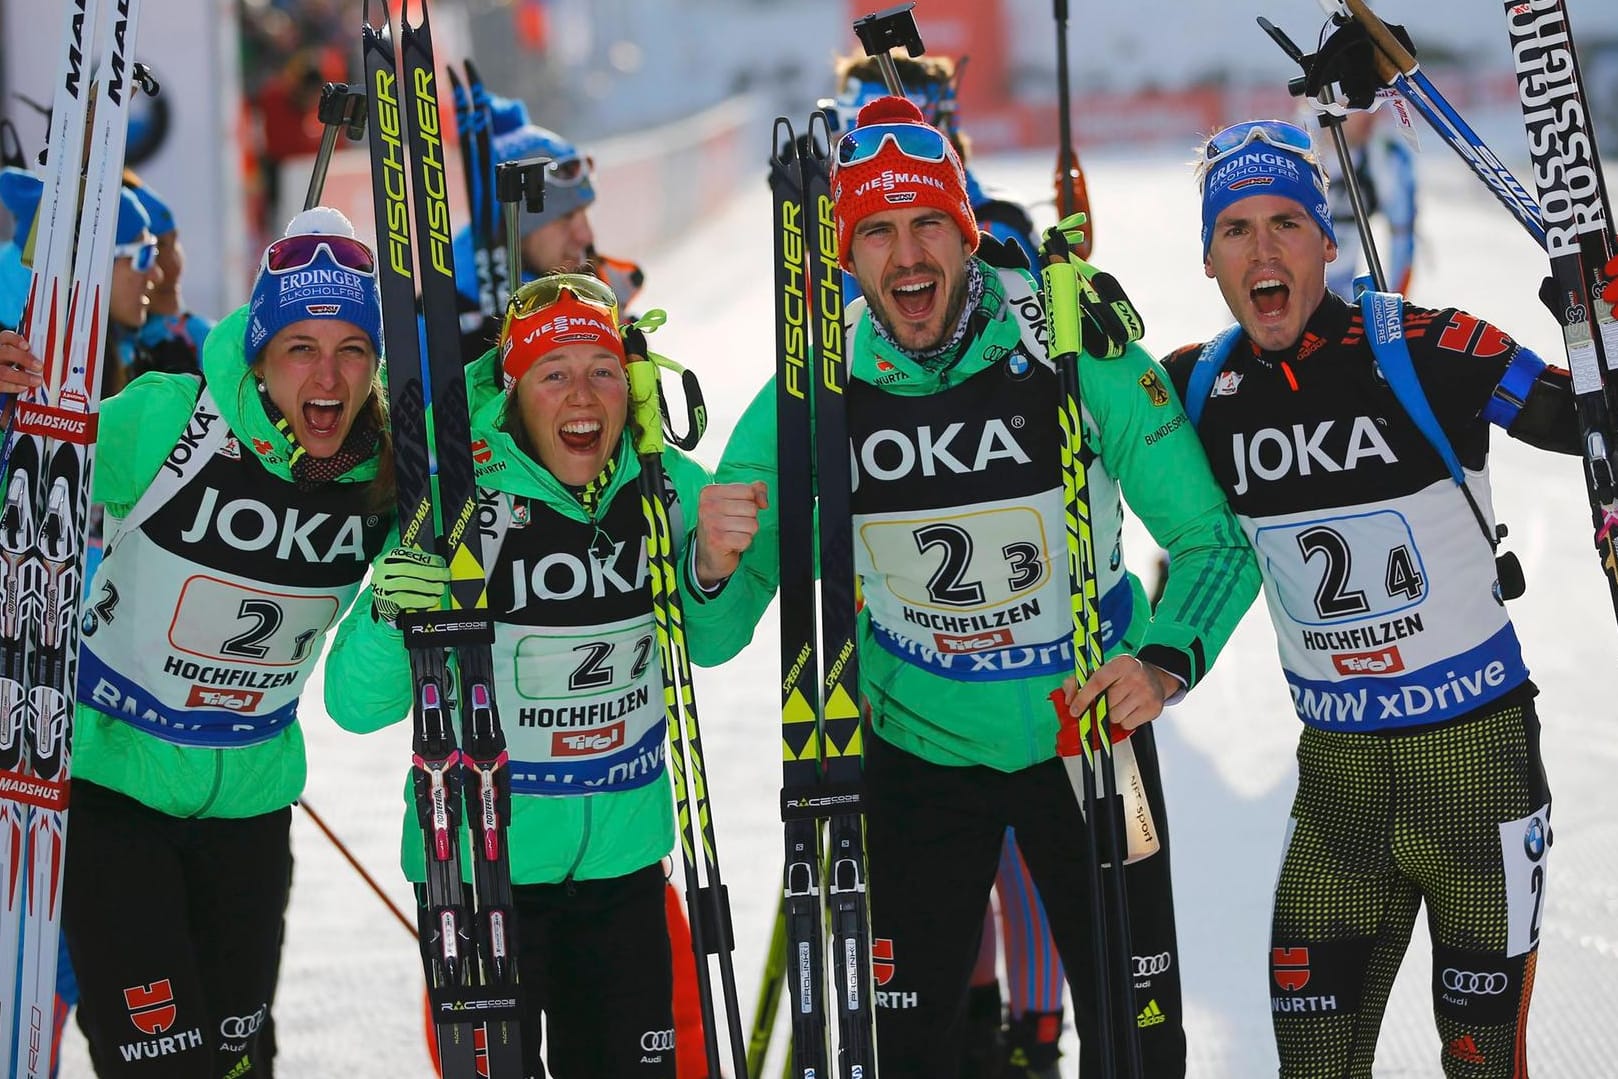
891, 179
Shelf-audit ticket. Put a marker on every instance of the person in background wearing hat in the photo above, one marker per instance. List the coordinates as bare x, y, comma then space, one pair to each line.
993, 1048
590, 826
171, 338
1420, 780
243, 517
558, 239
957, 752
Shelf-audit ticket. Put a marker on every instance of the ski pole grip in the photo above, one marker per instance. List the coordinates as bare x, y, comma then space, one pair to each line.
645, 412
1068, 737
1393, 58
1061, 294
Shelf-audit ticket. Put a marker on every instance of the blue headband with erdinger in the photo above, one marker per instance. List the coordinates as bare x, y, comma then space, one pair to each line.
1262, 169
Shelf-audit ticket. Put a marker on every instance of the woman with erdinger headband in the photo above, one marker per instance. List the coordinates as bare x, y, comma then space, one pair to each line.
576, 676
241, 517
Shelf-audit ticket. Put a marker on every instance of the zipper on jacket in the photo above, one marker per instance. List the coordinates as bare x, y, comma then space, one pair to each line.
584, 843
218, 781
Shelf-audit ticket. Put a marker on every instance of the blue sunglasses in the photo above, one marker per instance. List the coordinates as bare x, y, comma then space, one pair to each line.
915, 141
142, 254
1277, 133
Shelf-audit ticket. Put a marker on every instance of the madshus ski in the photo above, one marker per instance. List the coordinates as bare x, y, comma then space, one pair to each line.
1579, 241
821, 730
467, 933
45, 515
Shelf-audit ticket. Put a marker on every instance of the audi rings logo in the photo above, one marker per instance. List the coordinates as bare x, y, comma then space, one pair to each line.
1148, 965
657, 1041
241, 1027
1467, 981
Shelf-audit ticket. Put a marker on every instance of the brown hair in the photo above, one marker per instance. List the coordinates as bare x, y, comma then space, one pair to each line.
380, 493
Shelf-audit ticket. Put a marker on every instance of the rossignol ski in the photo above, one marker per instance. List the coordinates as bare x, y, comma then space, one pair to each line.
45, 516
468, 933
1579, 240
821, 730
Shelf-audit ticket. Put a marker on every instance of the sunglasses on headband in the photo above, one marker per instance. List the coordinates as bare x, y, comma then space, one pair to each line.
296, 252
540, 293
915, 141
1277, 133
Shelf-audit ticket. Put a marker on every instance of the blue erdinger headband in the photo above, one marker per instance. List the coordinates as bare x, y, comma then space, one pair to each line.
1262, 169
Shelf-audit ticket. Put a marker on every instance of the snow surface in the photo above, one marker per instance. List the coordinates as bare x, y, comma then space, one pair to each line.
350, 1001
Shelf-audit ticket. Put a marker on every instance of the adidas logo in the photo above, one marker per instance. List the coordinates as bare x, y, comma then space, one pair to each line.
1151, 1015
1464, 1048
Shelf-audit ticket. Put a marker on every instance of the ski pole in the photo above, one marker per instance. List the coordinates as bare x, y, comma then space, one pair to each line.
1333, 123
1072, 193
1114, 971
519, 182
769, 993
340, 107
711, 932
348, 855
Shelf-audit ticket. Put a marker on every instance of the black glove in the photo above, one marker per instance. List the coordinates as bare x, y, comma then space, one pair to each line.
1349, 58
1111, 321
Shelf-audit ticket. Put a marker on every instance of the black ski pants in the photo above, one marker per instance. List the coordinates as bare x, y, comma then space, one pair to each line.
933, 837
174, 929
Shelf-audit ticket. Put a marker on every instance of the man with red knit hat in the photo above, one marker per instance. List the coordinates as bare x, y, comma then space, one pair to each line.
966, 628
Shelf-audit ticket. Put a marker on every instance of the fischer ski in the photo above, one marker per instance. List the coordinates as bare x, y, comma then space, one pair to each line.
821, 723
44, 521
468, 933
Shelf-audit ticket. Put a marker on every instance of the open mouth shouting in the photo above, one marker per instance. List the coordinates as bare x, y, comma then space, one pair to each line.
322, 419
581, 436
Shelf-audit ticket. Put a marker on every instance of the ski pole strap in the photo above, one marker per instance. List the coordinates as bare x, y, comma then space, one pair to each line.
1384, 329
1206, 371
1511, 393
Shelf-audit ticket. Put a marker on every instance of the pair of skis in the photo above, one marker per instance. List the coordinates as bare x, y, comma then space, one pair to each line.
820, 718
468, 935
45, 515
1571, 219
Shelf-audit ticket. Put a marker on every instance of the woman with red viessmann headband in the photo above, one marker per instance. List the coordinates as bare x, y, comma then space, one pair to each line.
576, 675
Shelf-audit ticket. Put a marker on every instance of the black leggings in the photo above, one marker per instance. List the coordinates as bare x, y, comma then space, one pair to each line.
934, 835
174, 929
1456, 818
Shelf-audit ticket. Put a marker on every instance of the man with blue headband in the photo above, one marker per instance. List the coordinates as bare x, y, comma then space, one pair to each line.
171, 338
1353, 442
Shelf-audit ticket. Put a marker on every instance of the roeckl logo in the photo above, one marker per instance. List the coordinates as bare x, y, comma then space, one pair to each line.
151, 1007
239, 700
1290, 968
580, 744
1381, 661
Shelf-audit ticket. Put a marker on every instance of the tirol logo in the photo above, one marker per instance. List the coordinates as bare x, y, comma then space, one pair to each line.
151, 1007
581, 744
948, 645
1290, 968
882, 965
235, 700
1381, 661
